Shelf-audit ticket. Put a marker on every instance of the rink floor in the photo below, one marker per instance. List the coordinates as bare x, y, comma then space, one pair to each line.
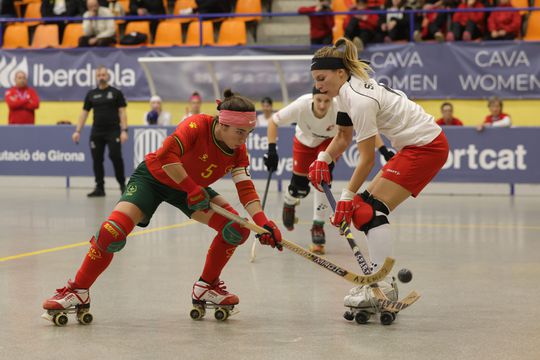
475, 259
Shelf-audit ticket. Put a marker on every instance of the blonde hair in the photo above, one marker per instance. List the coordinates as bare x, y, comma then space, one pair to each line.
346, 50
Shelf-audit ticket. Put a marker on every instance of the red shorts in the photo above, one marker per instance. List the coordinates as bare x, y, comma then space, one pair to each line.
413, 167
303, 155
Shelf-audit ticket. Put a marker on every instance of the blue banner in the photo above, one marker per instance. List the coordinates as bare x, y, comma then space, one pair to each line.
492, 156
458, 70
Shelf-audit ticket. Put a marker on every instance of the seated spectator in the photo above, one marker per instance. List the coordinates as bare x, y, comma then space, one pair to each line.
432, 24
145, 8
448, 119
97, 32
467, 26
195, 102
61, 8
156, 115
361, 29
320, 26
395, 25
267, 112
504, 25
209, 7
496, 118
22, 101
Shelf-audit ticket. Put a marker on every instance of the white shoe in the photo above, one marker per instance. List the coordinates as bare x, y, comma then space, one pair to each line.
213, 293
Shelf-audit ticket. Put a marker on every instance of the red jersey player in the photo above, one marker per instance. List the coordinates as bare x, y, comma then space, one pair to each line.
202, 150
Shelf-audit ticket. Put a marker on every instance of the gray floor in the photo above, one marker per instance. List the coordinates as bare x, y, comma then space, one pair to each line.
476, 262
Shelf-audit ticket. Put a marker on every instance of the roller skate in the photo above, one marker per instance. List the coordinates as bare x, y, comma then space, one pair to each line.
363, 304
212, 296
68, 301
289, 215
317, 238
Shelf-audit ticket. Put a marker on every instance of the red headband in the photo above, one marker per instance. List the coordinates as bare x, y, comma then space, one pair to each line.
237, 118
195, 97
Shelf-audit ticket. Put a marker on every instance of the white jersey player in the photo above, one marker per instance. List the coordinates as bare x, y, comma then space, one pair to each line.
366, 108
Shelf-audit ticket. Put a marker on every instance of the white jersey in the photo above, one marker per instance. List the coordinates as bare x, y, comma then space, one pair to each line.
310, 130
374, 107
263, 120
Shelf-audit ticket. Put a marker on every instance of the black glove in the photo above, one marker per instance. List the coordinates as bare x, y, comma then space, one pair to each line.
271, 158
387, 154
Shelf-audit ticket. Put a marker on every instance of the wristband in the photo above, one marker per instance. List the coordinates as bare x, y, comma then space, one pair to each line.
272, 147
347, 194
260, 218
324, 156
188, 185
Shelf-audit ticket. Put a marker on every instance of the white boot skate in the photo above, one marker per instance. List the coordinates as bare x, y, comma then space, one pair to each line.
68, 301
362, 303
212, 296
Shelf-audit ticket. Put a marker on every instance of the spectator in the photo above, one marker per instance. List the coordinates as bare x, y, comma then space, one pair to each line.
432, 24
504, 25
467, 26
61, 8
22, 101
320, 26
209, 7
267, 112
109, 128
145, 8
156, 115
195, 102
395, 25
361, 29
97, 32
448, 119
496, 118
115, 8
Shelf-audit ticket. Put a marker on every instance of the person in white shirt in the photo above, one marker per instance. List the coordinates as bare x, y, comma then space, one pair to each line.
97, 32
156, 115
194, 108
496, 117
367, 108
267, 112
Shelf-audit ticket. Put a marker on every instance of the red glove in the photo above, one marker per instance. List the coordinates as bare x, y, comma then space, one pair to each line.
197, 198
319, 171
273, 236
344, 208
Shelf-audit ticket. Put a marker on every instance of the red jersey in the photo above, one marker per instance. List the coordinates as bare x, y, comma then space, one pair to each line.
320, 26
454, 122
22, 103
193, 144
475, 17
509, 21
501, 120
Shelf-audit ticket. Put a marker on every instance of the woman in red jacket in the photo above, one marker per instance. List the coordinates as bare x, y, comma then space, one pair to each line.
362, 29
504, 25
320, 26
467, 26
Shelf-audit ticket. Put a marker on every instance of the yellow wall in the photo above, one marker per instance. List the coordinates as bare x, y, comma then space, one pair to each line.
471, 112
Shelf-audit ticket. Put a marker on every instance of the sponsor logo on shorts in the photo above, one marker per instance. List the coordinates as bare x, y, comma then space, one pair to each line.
131, 189
393, 171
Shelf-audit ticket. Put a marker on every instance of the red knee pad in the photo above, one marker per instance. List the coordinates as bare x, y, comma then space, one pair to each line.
112, 234
363, 212
231, 231
217, 221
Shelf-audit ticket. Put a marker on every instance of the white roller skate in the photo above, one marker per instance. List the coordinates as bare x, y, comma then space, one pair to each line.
212, 296
362, 303
68, 301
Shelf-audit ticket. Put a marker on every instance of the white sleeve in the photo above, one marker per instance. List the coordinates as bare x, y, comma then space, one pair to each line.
289, 114
504, 122
166, 118
364, 118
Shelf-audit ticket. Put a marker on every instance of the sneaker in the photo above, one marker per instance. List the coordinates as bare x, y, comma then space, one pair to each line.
317, 233
96, 193
417, 36
67, 298
212, 293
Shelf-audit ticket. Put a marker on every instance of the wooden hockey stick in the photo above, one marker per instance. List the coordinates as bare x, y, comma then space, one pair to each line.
383, 301
254, 245
336, 269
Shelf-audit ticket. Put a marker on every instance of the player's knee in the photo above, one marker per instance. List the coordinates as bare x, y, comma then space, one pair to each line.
112, 234
369, 212
234, 234
299, 186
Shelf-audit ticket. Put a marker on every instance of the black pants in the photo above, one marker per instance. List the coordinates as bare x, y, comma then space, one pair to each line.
108, 41
352, 30
97, 147
470, 26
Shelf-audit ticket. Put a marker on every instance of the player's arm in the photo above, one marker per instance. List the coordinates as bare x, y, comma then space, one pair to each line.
76, 136
366, 160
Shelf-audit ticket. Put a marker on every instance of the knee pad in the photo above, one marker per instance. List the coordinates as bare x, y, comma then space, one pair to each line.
299, 186
111, 237
369, 212
231, 231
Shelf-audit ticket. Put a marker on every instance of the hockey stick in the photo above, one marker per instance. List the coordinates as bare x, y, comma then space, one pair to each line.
254, 245
336, 269
383, 301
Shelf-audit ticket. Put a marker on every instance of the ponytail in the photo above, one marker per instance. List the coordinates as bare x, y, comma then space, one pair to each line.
345, 50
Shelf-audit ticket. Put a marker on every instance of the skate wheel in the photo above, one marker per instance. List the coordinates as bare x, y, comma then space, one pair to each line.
85, 318
361, 317
196, 313
60, 319
349, 316
387, 318
221, 314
